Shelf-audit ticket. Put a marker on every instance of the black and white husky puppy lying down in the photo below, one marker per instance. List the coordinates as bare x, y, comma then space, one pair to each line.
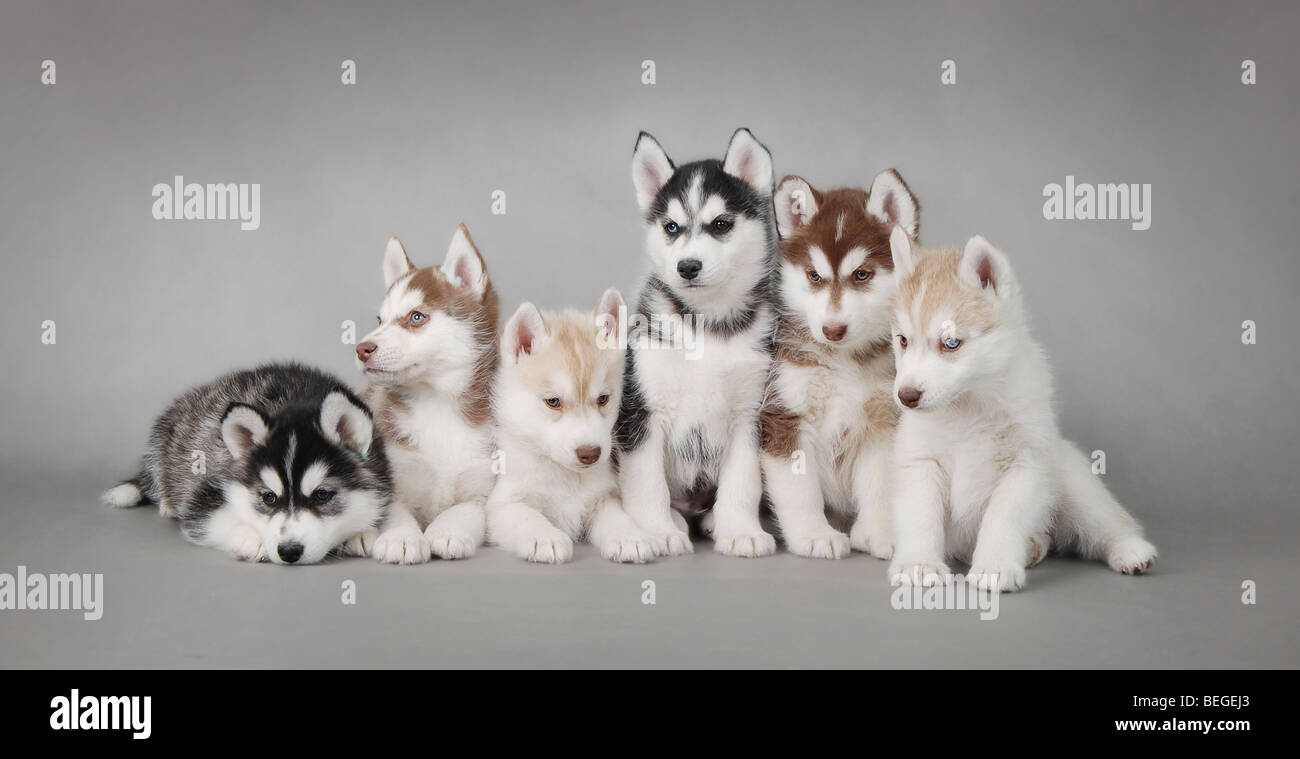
278, 463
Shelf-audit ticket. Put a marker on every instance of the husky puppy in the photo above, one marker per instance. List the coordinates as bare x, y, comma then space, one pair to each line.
556, 399
688, 433
279, 463
429, 367
829, 417
984, 473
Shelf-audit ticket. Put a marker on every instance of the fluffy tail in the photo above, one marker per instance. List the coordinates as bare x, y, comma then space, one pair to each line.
1093, 523
130, 493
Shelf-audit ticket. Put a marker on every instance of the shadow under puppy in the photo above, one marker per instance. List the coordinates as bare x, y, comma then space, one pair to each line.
279, 463
556, 402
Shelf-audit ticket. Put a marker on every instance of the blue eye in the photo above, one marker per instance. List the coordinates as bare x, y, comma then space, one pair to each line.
417, 317
951, 343
672, 229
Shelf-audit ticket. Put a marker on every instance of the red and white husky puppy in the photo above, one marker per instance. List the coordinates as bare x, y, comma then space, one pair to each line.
984, 474
430, 365
557, 398
829, 416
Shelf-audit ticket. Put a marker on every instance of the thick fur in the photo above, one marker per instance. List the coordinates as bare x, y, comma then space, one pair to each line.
688, 432
557, 398
430, 365
829, 416
279, 463
984, 475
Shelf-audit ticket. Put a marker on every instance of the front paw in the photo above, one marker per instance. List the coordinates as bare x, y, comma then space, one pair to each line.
450, 544
673, 543
402, 546
1038, 547
361, 544
1131, 555
926, 573
629, 549
748, 546
831, 544
247, 545
1008, 578
868, 538
548, 548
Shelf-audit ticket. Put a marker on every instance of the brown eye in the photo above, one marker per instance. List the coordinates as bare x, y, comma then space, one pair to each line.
902, 342
603, 399
553, 402
862, 275
813, 276
379, 320
416, 318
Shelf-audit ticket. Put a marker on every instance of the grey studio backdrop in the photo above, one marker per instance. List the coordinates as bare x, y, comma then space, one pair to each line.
544, 101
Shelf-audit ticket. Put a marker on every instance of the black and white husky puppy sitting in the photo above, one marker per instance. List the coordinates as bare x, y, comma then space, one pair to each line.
700, 346
278, 463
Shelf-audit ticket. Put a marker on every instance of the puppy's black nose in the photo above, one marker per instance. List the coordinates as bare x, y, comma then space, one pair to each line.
910, 396
689, 268
588, 454
289, 552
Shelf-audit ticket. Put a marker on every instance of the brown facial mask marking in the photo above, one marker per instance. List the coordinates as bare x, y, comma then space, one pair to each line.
859, 230
935, 288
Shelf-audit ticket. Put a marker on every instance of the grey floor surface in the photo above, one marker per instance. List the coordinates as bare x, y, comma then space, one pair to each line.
169, 604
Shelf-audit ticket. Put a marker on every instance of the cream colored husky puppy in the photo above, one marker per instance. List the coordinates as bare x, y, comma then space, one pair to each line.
984, 475
557, 398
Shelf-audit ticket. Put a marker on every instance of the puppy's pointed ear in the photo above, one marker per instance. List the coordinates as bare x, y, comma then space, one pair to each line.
651, 169
986, 268
609, 314
749, 161
346, 423
463, 266
243, 428
900, 247
796, 204
892, 202
523, 333
396, 263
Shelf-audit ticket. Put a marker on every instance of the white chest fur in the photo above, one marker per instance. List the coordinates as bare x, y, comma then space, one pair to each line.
699, 396
438, 458
843, 406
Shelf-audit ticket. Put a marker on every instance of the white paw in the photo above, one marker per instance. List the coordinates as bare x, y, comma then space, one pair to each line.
549, 548
1038, 547
1004, 579
828, 545
1131, 555
750, 546
401, 546
670, 543
248, 545
361, 544
868, 538
632, 549
450, 544
122, 496
923, 573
